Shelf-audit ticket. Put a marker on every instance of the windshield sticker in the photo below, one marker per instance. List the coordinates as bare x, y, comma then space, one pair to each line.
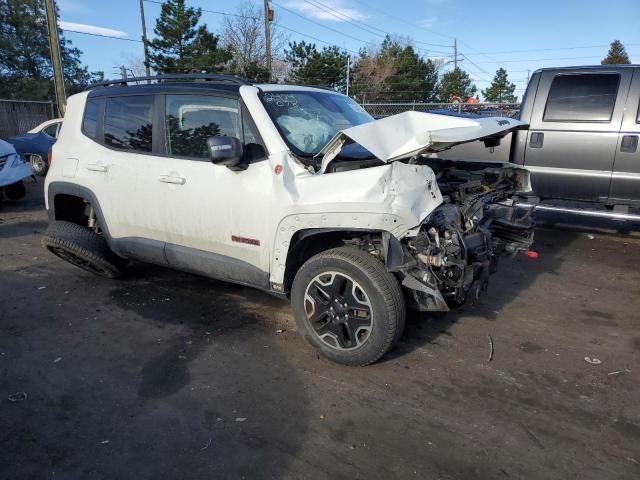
281, 99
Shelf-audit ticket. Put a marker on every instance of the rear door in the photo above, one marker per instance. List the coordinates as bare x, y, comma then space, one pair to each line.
574, 130
625, 181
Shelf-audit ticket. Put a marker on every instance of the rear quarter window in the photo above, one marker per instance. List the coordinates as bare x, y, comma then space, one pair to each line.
90, 120
585, 97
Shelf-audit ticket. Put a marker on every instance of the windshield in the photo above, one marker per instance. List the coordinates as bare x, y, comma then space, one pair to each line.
308, 119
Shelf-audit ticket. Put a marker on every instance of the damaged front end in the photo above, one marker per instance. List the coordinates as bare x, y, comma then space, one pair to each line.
451, 255
455, 249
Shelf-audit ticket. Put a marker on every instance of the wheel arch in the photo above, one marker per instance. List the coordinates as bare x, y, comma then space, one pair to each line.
67, 201
306, 243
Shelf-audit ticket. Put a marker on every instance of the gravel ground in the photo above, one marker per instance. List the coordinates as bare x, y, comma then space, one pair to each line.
168, 375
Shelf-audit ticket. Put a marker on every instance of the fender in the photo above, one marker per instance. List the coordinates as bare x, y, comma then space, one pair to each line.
57, 188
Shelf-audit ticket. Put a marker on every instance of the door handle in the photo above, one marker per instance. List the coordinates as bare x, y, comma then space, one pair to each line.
94, 167
537, 139
629, 143
174, 180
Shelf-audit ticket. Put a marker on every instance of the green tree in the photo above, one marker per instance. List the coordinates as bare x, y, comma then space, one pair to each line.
501, 89
25, 60
395, 73
617, 55
456, 83
327, 67
181, 45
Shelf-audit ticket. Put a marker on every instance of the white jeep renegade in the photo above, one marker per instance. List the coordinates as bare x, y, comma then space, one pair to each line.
293, 190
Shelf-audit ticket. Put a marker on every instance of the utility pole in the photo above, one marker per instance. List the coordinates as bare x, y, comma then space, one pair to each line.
268, 16
144, 40
348, 69
56, 59
528, 73
455, 53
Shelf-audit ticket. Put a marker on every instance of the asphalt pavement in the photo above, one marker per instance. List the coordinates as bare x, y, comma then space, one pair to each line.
168, 375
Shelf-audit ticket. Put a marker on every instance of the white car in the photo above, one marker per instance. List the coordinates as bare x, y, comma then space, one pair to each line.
293, 190
13, 170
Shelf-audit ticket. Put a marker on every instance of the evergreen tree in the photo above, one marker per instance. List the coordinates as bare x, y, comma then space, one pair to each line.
327, 67
456, 83
25, 60
181, 45
395, 73
617, 55
501, 89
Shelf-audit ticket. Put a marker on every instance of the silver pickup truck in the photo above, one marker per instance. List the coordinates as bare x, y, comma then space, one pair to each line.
582, 142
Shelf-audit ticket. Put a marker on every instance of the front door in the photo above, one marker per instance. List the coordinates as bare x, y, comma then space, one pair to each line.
216, 218
573, 133
625, 180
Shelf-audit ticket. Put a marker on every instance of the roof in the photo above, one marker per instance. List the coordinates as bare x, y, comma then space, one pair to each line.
584, 67
193, 81
164, 87
279, 87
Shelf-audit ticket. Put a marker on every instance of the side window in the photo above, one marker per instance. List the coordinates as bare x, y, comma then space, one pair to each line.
588, 97
90, 120
128, 122
191, 119
51, 130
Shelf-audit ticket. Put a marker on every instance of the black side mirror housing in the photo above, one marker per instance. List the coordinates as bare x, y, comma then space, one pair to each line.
227, 151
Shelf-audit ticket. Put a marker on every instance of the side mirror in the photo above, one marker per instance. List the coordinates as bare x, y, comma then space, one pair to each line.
225, 151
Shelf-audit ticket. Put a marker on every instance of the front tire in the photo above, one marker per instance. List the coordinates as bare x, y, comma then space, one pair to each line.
348, 306
15, 191
84, 248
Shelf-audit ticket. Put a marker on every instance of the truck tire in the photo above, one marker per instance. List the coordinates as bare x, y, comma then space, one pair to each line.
348, 306
15, 191
82, 247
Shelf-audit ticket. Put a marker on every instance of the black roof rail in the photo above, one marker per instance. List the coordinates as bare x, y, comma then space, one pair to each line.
207, 77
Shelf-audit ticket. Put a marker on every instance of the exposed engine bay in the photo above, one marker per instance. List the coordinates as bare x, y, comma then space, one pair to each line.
458, 246
456, 249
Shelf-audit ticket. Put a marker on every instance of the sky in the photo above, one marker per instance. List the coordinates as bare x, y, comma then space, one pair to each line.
518, 36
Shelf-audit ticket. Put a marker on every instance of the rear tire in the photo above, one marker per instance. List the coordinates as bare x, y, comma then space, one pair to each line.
348, 306
82, 247
38, 165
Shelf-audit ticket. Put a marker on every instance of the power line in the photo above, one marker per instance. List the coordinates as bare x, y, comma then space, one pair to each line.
365, 26
312, 37
404, 22
321, 25
216, 12
345, 17
557, 48
547, 59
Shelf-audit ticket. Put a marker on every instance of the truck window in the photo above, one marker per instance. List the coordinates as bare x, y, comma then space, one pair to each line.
128, 122
585, 97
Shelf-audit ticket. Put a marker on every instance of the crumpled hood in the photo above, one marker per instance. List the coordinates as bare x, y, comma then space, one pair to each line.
411, 133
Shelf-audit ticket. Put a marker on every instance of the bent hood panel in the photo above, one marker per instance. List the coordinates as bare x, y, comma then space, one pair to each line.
411, 133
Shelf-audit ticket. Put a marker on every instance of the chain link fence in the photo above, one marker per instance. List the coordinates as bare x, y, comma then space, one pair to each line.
379, 110
20, 116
